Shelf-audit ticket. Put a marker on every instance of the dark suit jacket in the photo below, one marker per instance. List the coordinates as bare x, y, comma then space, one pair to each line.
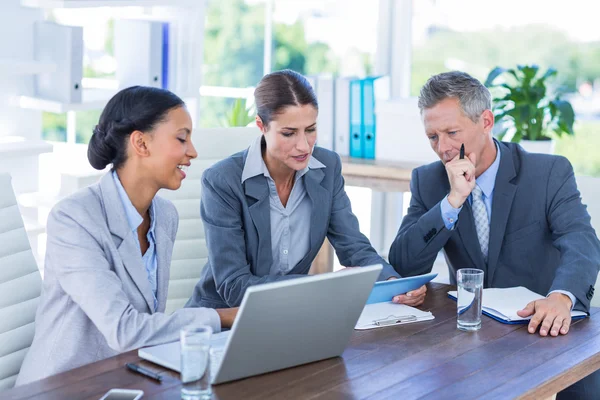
237, 224
540, 232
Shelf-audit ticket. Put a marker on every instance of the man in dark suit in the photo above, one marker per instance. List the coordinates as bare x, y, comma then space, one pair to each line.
516, 215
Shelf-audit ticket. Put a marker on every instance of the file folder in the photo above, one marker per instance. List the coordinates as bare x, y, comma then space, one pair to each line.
142, 53
503, 304
356, 118
325, 119
375, 89
342, 116
61, 45
368, 104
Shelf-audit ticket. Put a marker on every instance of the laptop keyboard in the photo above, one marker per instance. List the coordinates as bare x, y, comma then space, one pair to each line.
217, 348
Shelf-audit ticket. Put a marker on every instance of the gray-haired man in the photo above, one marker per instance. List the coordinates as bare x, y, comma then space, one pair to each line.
518, 216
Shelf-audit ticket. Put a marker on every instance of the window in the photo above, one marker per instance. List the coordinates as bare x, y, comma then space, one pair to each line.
465, 35
310, 37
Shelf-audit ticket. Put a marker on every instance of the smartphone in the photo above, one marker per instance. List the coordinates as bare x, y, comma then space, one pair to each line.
122, 394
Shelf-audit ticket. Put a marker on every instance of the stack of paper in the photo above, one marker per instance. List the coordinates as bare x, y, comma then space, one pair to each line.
503, 304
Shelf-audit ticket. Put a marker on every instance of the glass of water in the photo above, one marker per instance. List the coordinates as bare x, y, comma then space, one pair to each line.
470, 290
195, 363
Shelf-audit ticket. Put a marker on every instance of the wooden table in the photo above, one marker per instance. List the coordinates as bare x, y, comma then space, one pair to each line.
430, 360
379, 175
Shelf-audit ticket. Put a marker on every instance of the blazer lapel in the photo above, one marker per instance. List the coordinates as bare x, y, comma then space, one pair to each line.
321, 206
125, 241
164, 251
257, 191
504, 193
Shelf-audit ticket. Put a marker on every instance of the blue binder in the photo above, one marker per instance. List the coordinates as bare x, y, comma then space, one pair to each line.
356, 118
368, 137
165, 56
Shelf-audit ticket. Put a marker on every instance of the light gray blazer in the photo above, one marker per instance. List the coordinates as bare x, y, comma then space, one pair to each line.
96, 299
237, 224
540, 232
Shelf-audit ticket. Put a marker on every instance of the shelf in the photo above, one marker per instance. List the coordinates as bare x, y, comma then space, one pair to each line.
107, 3
93, 99
17, 146
20, 67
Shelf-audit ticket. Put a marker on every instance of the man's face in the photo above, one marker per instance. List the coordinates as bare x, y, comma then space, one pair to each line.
447, 128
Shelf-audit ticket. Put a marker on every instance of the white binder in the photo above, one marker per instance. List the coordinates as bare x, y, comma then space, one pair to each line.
325, 120
141, 52
63, 46
342, 116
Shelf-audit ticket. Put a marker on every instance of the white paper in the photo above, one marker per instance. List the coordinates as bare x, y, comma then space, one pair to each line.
388, 314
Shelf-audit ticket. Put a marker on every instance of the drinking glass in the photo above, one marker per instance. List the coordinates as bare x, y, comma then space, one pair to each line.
470, 290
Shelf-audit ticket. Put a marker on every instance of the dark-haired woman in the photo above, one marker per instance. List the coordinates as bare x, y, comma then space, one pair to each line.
109, 245
268, 209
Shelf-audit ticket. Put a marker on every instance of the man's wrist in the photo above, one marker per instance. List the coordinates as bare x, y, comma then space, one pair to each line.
456, 200
563, 298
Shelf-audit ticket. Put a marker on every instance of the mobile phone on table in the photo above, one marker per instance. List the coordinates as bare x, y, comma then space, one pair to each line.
123, 394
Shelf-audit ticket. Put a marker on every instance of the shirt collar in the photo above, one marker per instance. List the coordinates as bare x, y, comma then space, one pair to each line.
255, 165
134, 219
487, 180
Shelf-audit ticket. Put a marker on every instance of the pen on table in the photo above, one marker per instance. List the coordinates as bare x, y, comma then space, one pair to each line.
144, 371
462, 151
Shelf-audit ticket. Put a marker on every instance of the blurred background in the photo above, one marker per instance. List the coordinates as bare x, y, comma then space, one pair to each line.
222, 48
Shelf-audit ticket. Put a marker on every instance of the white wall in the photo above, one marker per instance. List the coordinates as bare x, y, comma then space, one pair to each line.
16, 43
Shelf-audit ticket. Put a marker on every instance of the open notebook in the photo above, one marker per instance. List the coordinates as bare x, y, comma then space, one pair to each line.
503, 304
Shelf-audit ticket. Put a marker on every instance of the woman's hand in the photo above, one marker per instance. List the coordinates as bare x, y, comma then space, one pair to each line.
227, 316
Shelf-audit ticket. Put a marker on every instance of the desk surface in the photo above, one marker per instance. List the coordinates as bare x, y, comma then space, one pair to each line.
380, 175
430, 359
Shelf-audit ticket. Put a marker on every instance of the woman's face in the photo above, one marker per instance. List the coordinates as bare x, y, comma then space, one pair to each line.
170, 149
291, 136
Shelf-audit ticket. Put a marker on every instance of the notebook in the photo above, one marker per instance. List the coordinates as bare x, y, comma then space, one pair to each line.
503, 304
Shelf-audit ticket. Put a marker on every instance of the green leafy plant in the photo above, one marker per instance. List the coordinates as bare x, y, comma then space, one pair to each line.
524, 106
239, 115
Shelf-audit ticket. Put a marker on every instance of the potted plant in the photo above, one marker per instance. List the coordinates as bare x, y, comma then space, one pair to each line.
524, 110
239, 115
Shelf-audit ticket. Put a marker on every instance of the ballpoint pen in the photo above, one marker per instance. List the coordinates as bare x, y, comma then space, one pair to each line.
144, 371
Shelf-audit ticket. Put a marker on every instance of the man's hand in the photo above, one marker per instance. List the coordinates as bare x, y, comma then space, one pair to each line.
413, 299
553, 313
461, 174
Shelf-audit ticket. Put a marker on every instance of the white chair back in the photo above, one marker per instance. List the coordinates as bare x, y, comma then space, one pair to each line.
589, 187
190, 252
20, 287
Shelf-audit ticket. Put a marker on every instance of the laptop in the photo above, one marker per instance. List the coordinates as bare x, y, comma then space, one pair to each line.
284, 324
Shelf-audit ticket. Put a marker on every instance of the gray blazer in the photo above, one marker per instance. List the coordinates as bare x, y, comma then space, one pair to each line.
96, 299
238, 229
540, 232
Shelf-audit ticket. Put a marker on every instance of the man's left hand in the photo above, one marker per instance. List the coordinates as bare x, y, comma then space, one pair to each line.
552, 314
413, 299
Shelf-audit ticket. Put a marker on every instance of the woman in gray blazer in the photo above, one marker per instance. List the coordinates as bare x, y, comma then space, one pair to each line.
268, 209
109, 245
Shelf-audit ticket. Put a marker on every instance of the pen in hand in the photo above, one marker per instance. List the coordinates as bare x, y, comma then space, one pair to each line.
462, 151
144, 371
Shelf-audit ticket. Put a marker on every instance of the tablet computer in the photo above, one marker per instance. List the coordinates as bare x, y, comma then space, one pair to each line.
386, 290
